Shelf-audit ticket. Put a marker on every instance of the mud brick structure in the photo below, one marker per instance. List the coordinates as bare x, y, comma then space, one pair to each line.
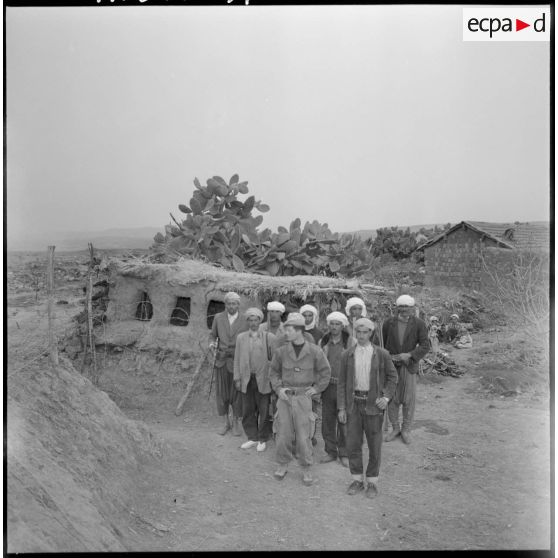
458, 256
171, 306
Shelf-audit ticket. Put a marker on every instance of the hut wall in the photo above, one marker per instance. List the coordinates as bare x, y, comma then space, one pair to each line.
122, 327
455, 260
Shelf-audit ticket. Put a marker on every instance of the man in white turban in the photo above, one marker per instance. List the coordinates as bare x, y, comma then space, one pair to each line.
355, 309
406, 339
224, 330
274, 312
310, 314
252, 357
333, 343
367, 380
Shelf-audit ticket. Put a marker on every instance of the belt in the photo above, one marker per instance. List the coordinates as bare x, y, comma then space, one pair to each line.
333, 380
297, 391
361, 394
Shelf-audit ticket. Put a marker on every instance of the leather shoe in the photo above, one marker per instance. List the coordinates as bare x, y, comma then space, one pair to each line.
344, 461
406, 436
280, 472
371, 490
392, 435
355, 486
327, 458
307, 479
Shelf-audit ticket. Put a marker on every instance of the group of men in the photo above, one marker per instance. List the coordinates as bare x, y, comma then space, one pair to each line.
274, 373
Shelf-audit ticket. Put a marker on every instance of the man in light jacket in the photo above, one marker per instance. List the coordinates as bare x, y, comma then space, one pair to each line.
367, 381
299, 370
252, 357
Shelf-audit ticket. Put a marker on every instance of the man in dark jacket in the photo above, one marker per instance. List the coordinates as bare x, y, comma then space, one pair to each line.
406, 339
333, 344
226, 326
367, 381
310, 314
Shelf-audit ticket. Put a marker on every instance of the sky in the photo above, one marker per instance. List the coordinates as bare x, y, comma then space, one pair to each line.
357, 116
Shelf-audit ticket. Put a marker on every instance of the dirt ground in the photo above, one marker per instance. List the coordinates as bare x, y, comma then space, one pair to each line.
476, 477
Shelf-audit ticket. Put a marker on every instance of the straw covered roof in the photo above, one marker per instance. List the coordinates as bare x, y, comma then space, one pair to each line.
192, 272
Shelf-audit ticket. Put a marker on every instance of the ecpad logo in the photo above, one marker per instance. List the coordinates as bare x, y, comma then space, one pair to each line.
506, 24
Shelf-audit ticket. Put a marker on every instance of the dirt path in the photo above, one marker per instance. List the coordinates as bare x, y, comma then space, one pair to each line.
477, 476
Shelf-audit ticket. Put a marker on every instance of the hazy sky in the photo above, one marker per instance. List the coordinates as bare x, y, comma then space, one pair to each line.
358, 116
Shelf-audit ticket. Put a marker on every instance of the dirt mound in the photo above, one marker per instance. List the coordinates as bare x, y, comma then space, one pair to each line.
73, 461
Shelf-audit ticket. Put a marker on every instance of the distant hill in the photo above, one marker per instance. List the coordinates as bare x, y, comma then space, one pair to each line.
68, 241
118, 239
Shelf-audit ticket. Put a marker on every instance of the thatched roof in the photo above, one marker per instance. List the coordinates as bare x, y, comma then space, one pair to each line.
192, 272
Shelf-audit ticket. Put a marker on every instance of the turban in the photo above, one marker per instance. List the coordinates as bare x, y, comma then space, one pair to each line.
314, 310
433, 318
364, 322
337, 317
295, 319
405, 300
455, 316
355, 301
275, 306
254, 312
232, 296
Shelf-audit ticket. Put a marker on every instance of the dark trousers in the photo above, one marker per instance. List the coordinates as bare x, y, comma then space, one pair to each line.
226, 393
357, 423
255, 413
333, 432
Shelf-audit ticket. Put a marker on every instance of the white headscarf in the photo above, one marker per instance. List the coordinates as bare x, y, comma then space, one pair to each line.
405, 300
254, 312
355, 301
337, 317
275, 305
314, 310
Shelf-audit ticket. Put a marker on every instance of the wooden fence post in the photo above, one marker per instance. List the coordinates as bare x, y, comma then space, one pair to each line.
52, 341
89, 297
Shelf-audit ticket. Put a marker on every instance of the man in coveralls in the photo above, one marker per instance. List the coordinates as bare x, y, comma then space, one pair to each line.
299, 370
